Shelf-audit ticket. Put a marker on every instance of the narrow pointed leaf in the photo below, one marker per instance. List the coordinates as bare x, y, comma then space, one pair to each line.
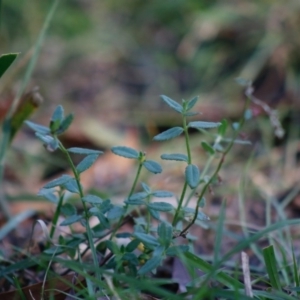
271, 266
190, 113
146, 188
71, 186
69, 209
192, 103
203, 125
175, 156
138, 196
115, 213
160, 206
50, 142
208, 148
147, 239
150, 265
173, 104
57, 118
58, 181
165, 233
207, 268
125, 152
177, 250
65, 124
223, 127
162, 194
132, 245
192, 175
169, 134
71, 220
92, 199
154, 213
152, 166
49, 195
38, 128
86, 163
84, 151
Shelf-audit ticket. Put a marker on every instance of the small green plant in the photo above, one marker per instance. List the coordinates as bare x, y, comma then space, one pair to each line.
125, 269
149, 244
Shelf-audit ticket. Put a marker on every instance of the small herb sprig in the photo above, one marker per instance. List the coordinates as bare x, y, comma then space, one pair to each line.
149, 244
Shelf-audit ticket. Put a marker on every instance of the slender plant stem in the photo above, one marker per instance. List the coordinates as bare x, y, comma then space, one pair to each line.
129, 195
136, 179
188, 149
179, 204
187, 140
77, 178
56, 215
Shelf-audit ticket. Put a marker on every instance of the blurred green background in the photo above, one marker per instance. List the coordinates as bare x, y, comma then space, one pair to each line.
113, 58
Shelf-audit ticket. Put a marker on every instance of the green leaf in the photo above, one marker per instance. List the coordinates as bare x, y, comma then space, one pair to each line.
56, 250
146, 188
50, 142
190, 113
123, 235
68, 209
150, 265
203, 125
160, 206
106, 206
65, 124
162, 194
169, 134
220, 276
131, 258
175, 156
152, 166
132, 245
103, 220
125, 152
112, 246
154, 213
6, 61
201, 216
92, 199
147, 239
38, 128
223, 127
177, 250
191, 103
84, 151
115, 213
57, 118
58, 181
271, 266
173, 104
49, 195
208, 148
134, 201
86, 163
138, 196
71, 220
192, 175
71, 186
165, 232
